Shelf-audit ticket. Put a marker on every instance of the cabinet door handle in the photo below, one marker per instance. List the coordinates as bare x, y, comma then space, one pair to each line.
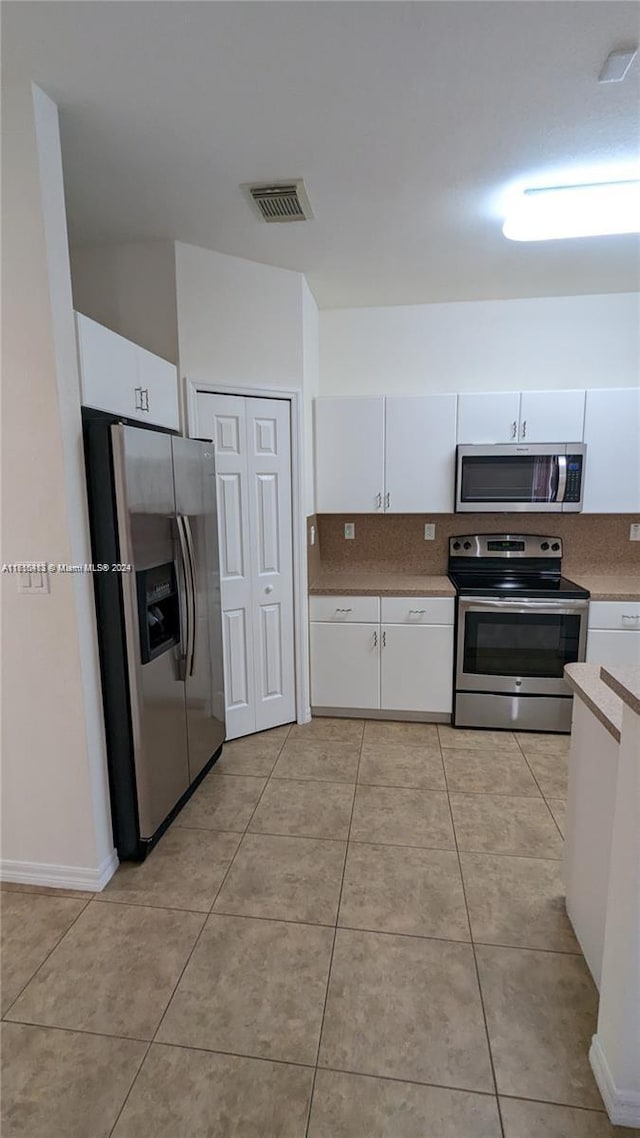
384, 640
378, 501
524, 429
514, 429
137, 391
387, 499
144, 398
375, 640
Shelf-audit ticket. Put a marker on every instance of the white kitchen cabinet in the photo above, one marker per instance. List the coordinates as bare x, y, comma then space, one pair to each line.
349, 440
614, 632
612, 464
490, 417
551, 416
159, 379
607, 647
401, 664
416, 668
345, 665
527, 416
420, 440
121, 377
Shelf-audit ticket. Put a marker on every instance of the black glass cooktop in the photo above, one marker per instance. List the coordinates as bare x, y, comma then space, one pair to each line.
497, 584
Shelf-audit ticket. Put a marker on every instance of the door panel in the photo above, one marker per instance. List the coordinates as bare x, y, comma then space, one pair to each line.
345, 665
552, 416
416, 668
145, 506
488, 418
420, 452
349, 438
194, 478
253, 462
269, 473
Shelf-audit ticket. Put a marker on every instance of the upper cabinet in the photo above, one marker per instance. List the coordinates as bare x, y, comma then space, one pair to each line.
349, 439
120, 377
420, 434
530, 416
488, 418
393, 455
551, 416
612, 467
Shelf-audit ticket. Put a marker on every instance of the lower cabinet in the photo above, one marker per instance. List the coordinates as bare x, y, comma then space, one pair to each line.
345, 665
401, 665
614, 633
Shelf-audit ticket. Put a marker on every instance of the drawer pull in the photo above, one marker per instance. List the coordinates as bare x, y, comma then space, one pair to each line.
417, 612
344, 610
629, 616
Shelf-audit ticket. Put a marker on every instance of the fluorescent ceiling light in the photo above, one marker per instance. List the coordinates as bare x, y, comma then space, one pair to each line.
595, 210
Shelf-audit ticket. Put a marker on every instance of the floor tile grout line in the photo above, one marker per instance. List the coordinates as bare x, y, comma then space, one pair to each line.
544, 797
333, 944
51, 951
475, 962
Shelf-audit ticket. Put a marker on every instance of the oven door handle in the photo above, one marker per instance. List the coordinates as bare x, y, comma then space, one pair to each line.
525, 606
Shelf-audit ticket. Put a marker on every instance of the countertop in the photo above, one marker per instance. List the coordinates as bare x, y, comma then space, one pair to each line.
586, 682
336, 583
608, 587
625, 682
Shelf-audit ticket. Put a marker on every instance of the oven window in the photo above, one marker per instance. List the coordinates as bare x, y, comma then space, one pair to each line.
509, 478
520, 644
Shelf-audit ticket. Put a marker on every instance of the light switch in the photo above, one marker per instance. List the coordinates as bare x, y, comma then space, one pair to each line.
430, 532
349, 530
33, 583
634, 531
312, 535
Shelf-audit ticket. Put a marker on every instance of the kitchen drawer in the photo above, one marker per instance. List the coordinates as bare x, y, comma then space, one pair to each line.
621, 615
345, 610
610, 648
417, 610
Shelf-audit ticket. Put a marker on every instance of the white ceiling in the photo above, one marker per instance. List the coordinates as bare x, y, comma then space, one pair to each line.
408, 122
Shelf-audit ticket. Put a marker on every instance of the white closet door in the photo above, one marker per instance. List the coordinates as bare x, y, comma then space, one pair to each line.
224, 417
253, 477
269, 485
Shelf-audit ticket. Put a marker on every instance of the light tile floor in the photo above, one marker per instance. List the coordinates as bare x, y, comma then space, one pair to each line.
351, 931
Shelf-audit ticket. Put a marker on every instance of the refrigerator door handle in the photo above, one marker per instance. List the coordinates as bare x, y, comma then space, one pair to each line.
188, 587
191, 593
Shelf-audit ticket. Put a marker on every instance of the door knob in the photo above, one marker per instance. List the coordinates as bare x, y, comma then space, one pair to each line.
268, 588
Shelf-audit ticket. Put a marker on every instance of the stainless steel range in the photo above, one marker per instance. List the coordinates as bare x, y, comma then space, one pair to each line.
518, 622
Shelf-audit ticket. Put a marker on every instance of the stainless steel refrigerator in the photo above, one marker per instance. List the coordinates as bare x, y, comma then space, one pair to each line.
152, 504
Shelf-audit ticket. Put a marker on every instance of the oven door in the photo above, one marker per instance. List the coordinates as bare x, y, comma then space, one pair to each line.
518, 646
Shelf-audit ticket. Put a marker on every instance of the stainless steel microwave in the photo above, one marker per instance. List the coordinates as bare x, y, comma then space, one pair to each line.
539, 478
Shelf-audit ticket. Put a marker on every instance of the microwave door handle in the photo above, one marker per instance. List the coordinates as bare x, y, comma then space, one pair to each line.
561, 489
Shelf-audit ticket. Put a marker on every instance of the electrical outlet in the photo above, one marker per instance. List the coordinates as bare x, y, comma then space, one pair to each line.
430, 532
634, 532
349, 531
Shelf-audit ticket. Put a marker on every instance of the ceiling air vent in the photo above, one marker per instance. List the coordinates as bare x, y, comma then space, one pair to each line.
284, 201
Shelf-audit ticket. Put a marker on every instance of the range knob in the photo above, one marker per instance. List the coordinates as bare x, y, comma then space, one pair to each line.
467, 545
456, 545
555, 547
545, 545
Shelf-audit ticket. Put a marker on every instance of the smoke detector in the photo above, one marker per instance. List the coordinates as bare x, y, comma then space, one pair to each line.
282, 201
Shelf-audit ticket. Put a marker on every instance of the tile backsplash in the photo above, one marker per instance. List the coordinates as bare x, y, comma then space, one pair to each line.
395, 542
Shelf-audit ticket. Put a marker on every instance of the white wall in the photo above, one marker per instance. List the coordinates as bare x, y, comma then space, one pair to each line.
311, 372
238, 322
549, 342
55, 810
130, 289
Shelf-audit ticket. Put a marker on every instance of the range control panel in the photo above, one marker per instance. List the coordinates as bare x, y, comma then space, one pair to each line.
505, 545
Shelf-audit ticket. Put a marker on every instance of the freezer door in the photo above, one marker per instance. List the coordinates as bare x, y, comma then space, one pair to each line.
194, 475
145, 500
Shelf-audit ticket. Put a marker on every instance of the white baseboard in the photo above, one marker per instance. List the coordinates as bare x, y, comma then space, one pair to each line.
59, 876
623, 1107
